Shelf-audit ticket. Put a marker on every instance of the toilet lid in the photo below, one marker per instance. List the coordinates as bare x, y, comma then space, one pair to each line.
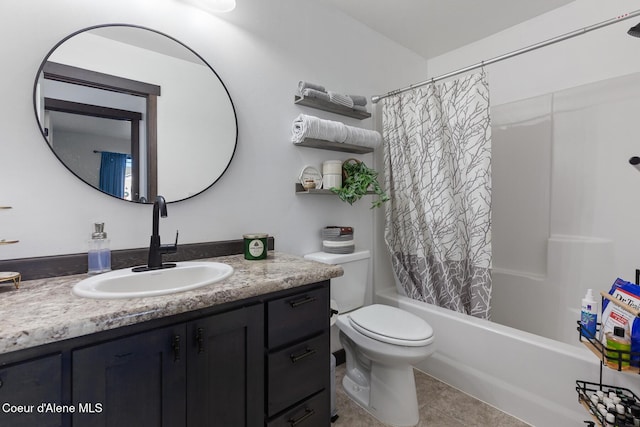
391, 325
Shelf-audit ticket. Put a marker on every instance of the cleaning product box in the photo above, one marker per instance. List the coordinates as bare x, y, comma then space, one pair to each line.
614, 316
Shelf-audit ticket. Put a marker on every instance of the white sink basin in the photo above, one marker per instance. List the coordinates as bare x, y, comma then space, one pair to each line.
127, 284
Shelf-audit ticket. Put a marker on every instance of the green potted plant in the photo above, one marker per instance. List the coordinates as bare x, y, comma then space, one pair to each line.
358, 180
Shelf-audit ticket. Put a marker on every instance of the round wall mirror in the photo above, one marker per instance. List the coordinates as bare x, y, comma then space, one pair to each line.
135, 113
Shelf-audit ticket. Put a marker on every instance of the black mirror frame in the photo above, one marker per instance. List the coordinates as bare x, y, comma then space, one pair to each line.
42, 131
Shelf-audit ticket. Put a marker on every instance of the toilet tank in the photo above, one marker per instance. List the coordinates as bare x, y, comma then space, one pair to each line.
350, 289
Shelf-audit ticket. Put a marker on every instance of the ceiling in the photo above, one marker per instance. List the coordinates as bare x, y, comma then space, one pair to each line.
433, 27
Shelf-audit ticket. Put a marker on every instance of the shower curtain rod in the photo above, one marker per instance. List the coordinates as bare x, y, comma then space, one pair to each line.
511, 54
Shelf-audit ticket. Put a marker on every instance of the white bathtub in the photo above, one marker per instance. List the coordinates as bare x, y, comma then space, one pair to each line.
525, 375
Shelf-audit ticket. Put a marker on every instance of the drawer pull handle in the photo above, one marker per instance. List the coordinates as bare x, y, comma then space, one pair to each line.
175, 345
308, 352
301, 301
307, 413
200, 340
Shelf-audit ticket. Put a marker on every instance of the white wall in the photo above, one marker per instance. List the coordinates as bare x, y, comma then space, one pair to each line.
591, 57
261, 50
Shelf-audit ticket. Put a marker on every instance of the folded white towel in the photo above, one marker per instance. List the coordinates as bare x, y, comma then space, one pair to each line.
358, 99
363, 137
305, 126
340, 99
313, 93
302, 85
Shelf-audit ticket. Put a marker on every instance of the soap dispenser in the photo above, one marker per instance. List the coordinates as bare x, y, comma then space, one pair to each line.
99, 252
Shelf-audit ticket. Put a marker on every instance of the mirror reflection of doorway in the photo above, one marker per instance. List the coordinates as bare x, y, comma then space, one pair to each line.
97, 143
83, 89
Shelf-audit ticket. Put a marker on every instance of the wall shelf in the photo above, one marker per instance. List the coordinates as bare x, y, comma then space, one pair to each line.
334, 146
331, 107
300, 190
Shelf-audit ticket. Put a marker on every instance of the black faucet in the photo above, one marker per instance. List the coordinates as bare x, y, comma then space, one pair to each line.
156, 250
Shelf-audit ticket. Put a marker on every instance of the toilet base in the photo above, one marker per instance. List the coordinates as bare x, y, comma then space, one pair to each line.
390, 397
356, 392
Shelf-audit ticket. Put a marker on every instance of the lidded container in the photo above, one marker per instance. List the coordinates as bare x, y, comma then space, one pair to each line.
255, 246
332, 167
99, 256
337, 240
332, 174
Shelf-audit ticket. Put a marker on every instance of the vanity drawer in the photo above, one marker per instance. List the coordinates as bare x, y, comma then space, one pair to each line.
297, 372
294, 317
310, 413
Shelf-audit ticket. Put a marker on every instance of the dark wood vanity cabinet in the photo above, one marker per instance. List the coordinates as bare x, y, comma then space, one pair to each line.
263, 361
201, 373
27, 385
298, 360
225, 374
137, 380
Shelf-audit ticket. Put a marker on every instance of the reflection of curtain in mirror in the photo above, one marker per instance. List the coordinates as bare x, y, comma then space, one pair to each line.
112, 171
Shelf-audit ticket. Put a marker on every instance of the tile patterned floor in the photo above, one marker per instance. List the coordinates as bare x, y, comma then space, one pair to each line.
440, 406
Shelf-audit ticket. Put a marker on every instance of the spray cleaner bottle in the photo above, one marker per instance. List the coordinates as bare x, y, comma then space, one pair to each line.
589, 315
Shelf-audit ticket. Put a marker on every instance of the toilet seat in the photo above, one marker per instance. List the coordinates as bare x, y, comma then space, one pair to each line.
391, 325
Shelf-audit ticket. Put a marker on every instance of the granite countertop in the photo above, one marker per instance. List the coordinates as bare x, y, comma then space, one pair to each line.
44, 311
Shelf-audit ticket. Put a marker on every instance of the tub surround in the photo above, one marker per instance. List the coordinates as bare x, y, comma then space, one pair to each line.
44, 311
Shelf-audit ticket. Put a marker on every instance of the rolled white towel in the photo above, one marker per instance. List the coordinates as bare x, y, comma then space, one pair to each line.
363, 137
302, 85
313, 93
305, 126
358, 99
340, 99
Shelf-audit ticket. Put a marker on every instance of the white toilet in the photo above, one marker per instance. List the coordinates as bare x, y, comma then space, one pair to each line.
381, 344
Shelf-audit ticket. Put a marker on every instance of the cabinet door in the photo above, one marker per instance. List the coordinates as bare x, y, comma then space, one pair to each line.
137, 381
27, 385
225, 370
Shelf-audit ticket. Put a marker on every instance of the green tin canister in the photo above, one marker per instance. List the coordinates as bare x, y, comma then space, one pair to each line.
255, 246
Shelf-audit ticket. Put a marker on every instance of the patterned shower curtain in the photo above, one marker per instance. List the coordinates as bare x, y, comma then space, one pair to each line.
437, 159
